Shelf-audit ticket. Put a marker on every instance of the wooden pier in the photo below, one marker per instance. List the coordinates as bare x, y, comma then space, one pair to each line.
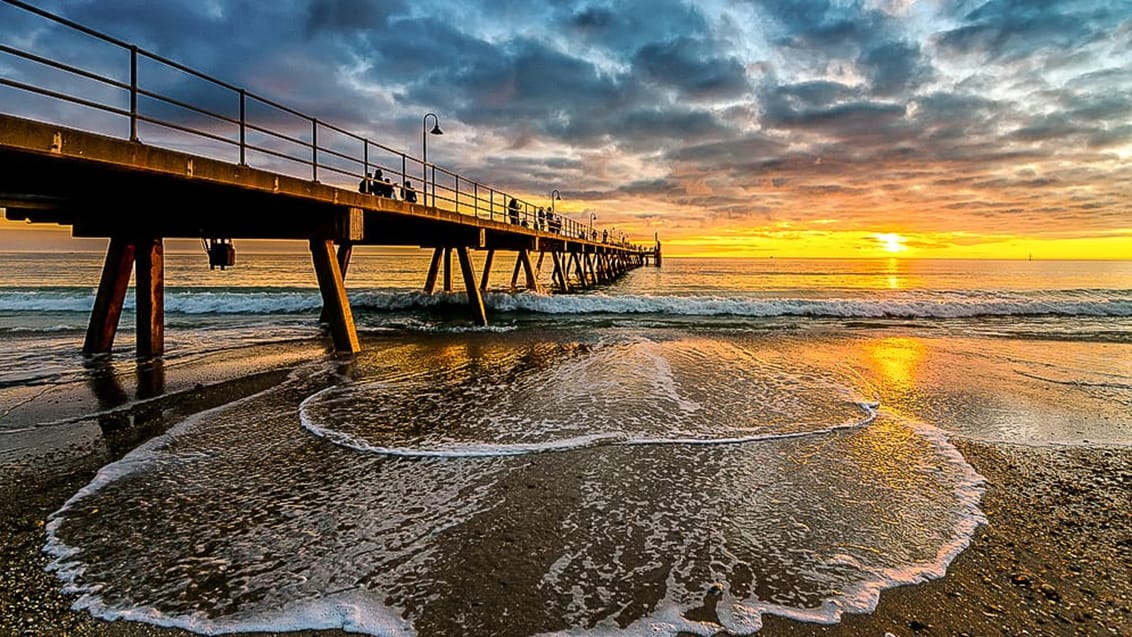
137, 196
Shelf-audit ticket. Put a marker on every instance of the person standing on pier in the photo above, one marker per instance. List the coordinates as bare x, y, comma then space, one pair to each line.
513, 211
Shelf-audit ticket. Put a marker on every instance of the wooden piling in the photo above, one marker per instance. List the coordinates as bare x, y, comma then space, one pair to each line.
333, 289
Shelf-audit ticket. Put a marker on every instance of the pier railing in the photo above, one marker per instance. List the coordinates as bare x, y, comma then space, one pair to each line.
180, 108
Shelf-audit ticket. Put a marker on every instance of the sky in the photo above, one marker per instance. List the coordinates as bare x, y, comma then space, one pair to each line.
939, 129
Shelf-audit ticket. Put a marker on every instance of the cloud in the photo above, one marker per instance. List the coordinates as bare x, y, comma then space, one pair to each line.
1011, 29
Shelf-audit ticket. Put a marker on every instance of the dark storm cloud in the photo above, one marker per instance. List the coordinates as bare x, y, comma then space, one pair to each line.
692, 67
1009, 29
894, 67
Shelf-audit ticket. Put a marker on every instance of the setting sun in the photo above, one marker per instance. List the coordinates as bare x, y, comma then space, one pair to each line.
891, 242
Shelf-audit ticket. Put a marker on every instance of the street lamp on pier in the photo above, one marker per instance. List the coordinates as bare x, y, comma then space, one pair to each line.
592, 217
424, 151
554, 196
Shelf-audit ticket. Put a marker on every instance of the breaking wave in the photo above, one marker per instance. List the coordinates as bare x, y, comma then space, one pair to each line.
904, 304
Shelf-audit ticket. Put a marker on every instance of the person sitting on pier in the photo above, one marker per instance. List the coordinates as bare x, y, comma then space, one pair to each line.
381, 186
366, 184
408, 193
513, 211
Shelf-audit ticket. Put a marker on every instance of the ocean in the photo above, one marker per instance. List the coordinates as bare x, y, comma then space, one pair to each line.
685, 451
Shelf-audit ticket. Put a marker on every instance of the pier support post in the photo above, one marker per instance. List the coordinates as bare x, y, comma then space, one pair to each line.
333, 289
528, 270
559, 274
150, 292
447, 269
433, 270
515, 272
345, 250
111, 293
487, 269
475, 299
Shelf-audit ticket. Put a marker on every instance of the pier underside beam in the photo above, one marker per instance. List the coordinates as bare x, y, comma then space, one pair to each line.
475, 299
111, 294
330, 284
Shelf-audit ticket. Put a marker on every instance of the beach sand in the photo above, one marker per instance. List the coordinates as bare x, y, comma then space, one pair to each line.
1055, 557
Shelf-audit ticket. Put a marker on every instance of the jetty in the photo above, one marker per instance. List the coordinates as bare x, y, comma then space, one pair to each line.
157, 150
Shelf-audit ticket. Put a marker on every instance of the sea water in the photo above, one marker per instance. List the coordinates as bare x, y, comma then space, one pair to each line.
688, 449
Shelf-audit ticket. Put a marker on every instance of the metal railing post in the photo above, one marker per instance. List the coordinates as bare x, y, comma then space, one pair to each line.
243, 128
314, 148
456, 196
365, 157
133, 93
476, 198
404, 166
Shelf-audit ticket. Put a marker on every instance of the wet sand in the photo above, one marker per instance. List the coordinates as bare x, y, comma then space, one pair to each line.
1055, 557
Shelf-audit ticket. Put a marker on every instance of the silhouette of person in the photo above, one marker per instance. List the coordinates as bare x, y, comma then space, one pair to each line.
513, 211
408, 192
366, 184
381, 186
541, 219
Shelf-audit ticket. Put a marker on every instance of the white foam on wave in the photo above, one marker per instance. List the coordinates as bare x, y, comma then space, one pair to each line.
907, 304
349, 612
744, 616
486, 450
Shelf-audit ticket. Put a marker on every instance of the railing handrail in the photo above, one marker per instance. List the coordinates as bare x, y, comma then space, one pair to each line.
481, 199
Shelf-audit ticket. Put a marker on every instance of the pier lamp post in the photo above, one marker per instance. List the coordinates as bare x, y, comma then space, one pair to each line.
592, 217
424, 151
554, 196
